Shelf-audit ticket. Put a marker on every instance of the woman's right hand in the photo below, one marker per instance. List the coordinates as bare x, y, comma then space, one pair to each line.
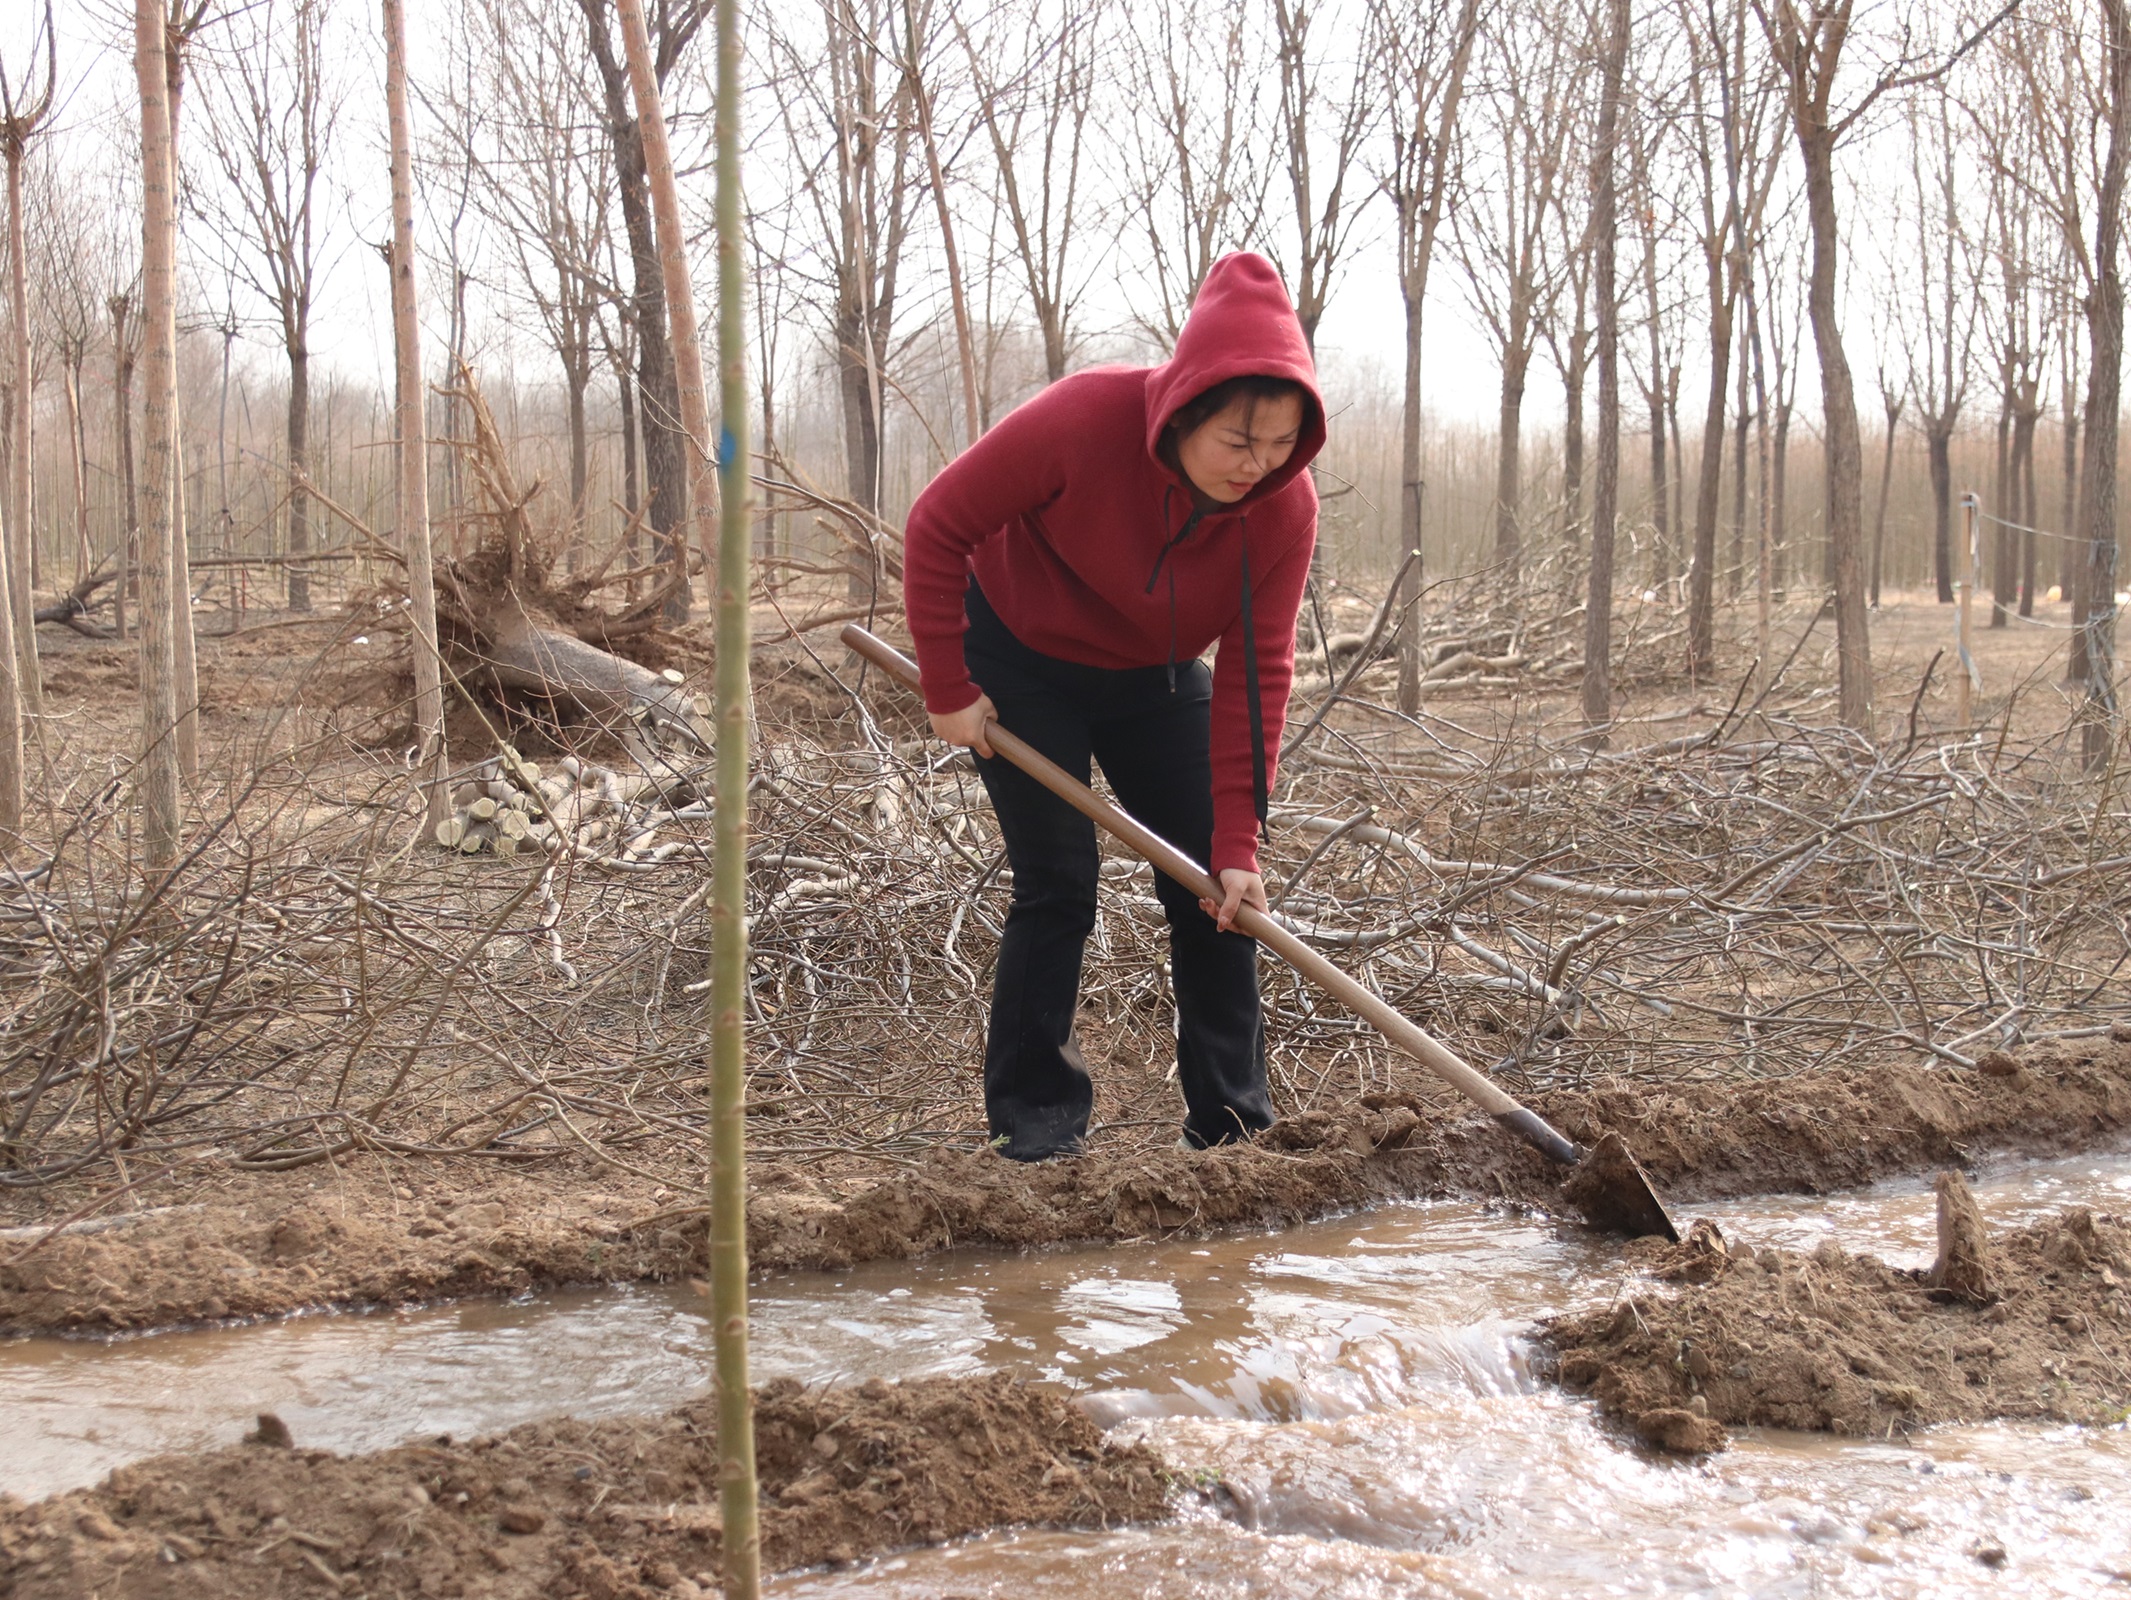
966, 727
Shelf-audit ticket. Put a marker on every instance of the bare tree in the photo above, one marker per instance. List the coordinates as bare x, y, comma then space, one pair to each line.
1779, 312
1649, 118
1892, 398
2014, 320
1948, 298
159, 226
1536, 78
1427, 47
2067, 101
1035, 115
1569, 339
71, 270
273, 114
674, 27
1605, 225
413, 437
545, 187
125, 353
851, 130
2105, 347
1324, 126
1198, 178
916, 29
1808, 40
23, 108
1734, 155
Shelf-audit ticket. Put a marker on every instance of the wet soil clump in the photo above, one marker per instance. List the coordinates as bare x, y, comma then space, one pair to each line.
375, 1231
617, 1509
2032, 1323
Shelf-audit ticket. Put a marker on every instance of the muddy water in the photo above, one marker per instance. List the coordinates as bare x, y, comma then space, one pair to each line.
1355, 1388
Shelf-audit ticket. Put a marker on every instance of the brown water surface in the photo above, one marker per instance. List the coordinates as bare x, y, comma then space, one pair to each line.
1353, 1393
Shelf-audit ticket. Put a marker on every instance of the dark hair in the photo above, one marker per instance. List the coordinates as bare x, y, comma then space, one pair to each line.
1252, 387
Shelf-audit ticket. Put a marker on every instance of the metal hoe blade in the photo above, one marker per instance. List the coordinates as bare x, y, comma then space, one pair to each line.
1613, 1192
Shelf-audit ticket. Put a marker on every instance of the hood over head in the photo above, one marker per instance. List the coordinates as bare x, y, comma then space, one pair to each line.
1241, 322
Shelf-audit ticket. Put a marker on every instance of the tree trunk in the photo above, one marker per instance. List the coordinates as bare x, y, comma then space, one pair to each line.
2068, 516
1667, 558
1709, 487
158, 665
1742, 421
299, 447
2105, 347
965, 344
1938, 457
2005, 545
1508, 538
1778, 493
632, 491
578, 376
698, 458
432, 758
185, 665
525, 654
183, 647
122, 419
1886, 480
862, 442
664, 450
1409, 510
1845, 451
2029, 515
22, 540
1572, 384
77, 454
1605, 495
1679, 462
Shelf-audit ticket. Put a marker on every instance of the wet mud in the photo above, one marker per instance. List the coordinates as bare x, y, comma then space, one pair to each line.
394, 1233
2033, 1322
1703, 1141
612, 1510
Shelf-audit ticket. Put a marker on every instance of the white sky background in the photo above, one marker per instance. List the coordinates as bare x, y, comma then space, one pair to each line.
1359, 341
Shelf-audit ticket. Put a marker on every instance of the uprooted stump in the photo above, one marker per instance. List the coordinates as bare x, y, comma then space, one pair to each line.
1846, 1344
534, 640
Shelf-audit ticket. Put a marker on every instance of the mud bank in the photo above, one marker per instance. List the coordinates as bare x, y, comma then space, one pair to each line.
376, 1233
1704, 1141
2030, 1323
613, 1510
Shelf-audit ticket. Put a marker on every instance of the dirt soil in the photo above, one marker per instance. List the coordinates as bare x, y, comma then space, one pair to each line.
610, 1510
372, 1231
1846, 1344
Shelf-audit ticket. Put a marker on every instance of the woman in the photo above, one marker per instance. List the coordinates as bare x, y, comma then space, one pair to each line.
1063, 576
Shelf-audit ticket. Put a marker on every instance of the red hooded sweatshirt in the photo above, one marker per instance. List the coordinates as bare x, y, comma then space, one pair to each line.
1066, 514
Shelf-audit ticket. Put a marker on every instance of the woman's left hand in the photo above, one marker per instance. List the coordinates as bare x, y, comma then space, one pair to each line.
1238, 889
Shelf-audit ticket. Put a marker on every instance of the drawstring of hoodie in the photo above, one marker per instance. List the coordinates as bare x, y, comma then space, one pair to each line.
1260, 797
1161, 557
1258, 785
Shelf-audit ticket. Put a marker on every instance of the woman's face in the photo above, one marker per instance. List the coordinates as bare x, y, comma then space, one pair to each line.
1227, 455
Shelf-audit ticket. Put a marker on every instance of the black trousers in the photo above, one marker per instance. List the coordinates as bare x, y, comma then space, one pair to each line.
1152, 743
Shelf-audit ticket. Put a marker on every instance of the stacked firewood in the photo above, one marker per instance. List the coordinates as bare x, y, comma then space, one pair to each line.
507, 804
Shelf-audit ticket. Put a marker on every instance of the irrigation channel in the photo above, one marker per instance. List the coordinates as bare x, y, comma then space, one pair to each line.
1353, 1398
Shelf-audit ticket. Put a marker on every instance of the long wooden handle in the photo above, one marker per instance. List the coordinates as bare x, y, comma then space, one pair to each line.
1416, 1041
